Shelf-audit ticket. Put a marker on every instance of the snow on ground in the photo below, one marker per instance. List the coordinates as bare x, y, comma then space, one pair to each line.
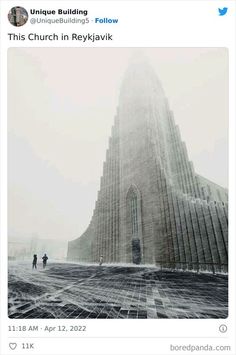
65, 290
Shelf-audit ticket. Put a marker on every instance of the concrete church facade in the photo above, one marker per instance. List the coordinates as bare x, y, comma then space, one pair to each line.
152, 207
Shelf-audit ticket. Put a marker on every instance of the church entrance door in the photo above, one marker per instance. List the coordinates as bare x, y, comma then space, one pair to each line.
136, 251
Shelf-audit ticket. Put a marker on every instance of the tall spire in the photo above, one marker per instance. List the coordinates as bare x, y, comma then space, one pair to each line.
140, 80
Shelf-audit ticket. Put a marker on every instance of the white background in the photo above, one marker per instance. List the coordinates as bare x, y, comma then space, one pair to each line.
141, 24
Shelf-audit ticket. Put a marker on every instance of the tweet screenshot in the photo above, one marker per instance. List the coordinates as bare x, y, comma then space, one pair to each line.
118, 177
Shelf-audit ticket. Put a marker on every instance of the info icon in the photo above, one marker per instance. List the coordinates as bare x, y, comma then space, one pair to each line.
18, 16
223, 328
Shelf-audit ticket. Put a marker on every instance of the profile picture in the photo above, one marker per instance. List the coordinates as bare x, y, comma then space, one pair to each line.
18, 16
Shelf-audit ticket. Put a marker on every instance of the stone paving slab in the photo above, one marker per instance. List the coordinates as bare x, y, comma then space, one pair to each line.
72, 291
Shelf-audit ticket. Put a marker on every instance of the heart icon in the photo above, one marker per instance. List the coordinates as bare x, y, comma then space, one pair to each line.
12, 346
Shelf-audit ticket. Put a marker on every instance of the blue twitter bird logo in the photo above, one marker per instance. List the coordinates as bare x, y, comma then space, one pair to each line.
223, 11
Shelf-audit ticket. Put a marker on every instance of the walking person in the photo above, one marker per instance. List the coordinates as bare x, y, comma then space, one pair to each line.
45, 259
101, 260
34, 264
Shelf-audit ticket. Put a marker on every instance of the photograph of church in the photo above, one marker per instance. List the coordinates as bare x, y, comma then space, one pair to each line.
118, 183
152, 206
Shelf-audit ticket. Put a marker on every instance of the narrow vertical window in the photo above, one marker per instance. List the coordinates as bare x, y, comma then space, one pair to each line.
134, 214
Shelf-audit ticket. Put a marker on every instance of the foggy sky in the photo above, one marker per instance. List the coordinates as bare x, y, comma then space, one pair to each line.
61, 106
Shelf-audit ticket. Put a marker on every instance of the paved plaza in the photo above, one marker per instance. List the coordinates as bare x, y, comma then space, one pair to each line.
66, 290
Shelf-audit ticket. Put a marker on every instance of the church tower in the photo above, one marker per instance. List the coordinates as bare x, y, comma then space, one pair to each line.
152, 207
